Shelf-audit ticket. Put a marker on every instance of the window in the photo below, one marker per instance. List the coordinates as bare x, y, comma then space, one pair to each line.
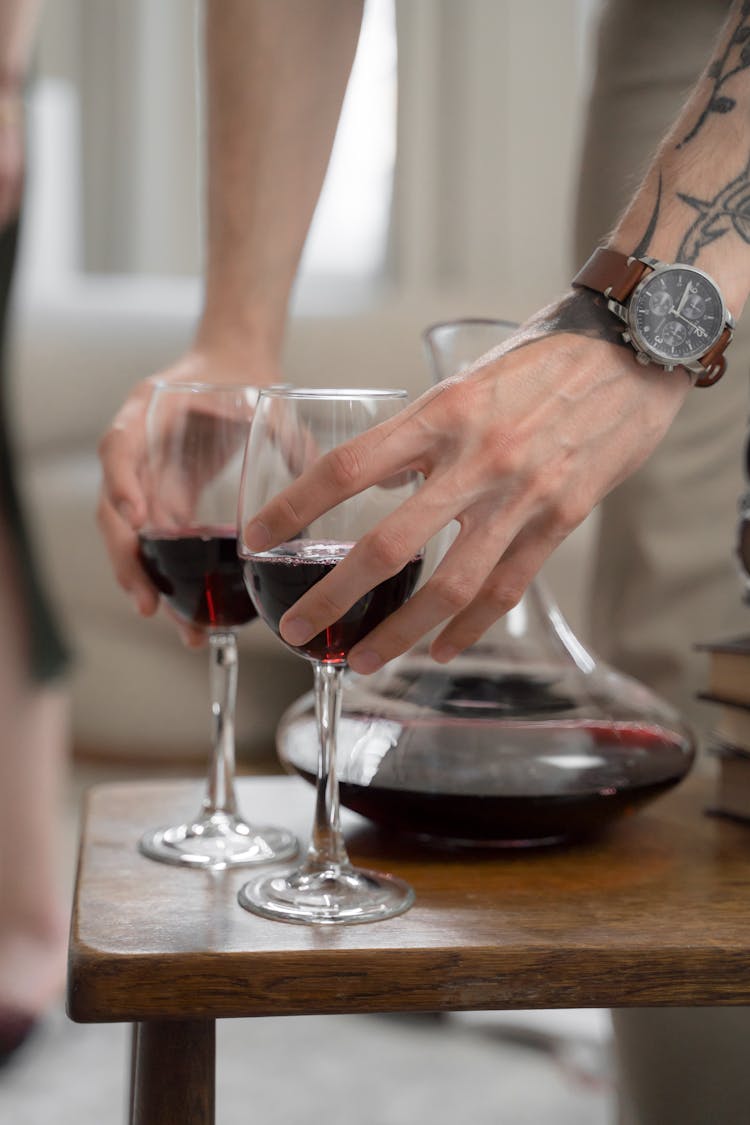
350, 230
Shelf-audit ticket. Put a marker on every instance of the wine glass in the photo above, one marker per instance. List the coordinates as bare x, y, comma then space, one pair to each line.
196, 435
291, 429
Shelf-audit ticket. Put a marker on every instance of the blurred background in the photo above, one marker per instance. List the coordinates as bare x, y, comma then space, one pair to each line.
449, 193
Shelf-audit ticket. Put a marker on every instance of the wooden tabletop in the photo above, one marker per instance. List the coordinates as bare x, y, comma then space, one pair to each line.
655, 913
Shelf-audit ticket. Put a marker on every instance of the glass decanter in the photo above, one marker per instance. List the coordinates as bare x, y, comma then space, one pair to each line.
524, 739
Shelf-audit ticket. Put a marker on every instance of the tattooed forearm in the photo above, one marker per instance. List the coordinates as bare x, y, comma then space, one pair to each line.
728, 210
735, 58
583, 312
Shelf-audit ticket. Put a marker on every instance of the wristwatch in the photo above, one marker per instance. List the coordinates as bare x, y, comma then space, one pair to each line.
675, 314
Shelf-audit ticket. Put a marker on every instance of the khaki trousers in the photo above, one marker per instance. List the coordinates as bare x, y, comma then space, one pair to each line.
665, 574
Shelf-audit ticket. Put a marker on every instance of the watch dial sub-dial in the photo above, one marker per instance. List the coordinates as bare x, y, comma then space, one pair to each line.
694, 306
672, 333
660, 302
676, 314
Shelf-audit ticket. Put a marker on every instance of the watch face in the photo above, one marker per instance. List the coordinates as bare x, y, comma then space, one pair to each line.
676, 314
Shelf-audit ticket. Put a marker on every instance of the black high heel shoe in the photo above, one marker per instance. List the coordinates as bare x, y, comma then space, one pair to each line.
15, 1030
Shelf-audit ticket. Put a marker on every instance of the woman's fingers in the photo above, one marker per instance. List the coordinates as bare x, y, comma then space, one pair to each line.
122, 546
121, 452
124, 505
190, 636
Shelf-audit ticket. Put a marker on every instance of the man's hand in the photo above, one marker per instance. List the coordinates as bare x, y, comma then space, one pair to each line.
518, 451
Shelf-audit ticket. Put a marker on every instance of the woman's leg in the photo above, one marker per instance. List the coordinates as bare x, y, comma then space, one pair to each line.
33, 750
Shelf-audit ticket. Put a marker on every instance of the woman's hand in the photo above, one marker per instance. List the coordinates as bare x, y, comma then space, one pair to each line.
122, 508
518, 451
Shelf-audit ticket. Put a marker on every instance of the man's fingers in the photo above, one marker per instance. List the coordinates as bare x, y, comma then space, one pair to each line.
337, 476
448, 593
500, 592
421, 613
379, 554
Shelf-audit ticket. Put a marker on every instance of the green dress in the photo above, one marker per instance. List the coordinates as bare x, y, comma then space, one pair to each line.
48, 653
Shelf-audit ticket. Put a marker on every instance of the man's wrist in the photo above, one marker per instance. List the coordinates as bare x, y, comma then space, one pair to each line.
647, 296
582, 313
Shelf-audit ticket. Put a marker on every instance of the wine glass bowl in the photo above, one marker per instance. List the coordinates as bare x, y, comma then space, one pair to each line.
195, 437
198, 576
290, 431
280, 577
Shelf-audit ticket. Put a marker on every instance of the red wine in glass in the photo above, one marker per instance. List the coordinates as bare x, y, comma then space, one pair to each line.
277, 579
292, 429
195, 441
199, 574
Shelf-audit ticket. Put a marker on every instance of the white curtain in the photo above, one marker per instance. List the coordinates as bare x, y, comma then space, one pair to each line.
489, 101
132, 63
490, 94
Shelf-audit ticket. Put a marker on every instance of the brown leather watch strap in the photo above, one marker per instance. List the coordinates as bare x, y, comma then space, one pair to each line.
714, 360
611, 273
615, 276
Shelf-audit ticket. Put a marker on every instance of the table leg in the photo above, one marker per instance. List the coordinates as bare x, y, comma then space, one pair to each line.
173, 1072
133, 1057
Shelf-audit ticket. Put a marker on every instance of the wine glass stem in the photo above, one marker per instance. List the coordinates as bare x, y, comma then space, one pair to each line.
327, 850
220, 796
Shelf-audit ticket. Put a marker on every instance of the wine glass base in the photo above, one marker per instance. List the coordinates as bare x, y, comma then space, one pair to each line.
335, 896
217, 842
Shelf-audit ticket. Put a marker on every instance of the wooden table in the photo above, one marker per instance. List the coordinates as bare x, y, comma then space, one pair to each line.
656, 913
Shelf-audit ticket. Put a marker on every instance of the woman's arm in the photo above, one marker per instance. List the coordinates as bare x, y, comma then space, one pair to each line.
276, 74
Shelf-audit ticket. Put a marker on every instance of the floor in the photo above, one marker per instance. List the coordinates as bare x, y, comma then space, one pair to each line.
364, 1070
491, 1068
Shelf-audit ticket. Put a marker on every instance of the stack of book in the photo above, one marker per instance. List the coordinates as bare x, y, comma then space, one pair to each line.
729, 690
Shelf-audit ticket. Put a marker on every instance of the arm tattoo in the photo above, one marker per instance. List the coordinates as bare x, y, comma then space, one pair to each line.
724, 68
585, 314
648, 234
581, 313
728, 210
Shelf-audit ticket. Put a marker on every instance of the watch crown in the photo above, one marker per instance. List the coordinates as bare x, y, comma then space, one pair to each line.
627, 337
643, 358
